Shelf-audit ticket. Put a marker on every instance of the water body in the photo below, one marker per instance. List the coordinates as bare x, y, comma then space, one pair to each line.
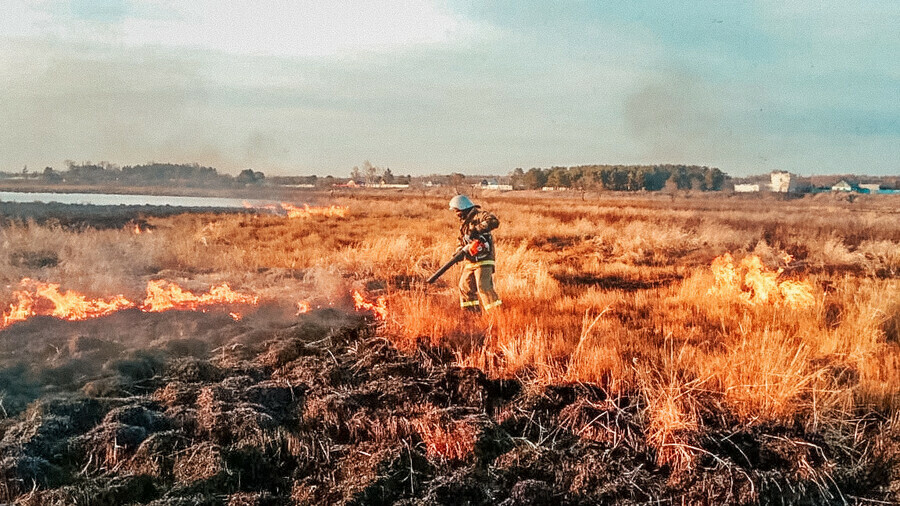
112, 199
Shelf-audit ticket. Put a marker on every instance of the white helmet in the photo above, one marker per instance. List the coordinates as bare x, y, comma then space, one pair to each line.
461, 203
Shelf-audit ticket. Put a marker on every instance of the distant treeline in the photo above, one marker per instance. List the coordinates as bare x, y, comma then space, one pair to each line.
582, 177
193, 175
621, 177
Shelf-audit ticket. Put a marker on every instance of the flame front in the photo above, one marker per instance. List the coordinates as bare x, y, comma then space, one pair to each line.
45, 299
379, 307
36, 298
163, 295
755, 284
797, 293
306, 211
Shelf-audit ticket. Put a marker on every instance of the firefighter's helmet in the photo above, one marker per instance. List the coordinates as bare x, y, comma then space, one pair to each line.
461, 203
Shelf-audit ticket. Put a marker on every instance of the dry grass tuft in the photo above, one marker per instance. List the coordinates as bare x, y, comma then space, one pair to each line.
446, 438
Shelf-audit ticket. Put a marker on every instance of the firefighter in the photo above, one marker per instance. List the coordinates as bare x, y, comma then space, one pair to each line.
476, 286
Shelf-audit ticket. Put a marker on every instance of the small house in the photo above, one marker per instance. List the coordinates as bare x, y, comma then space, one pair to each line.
844, 186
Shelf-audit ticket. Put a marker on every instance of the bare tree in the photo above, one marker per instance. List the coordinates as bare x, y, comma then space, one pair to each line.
370, 171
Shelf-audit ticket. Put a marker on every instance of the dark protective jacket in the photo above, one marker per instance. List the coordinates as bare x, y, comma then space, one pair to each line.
478, 225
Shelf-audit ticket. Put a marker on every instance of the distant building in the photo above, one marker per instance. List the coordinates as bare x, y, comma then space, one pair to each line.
844, 186
493, 184
382, 184
870, 187
783, 182
746, 188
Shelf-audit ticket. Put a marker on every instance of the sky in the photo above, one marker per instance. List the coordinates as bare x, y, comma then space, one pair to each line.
437, 86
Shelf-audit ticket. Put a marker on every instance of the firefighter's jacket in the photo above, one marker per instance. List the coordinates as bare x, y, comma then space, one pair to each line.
478, 225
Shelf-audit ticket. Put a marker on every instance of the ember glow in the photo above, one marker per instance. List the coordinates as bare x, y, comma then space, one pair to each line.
755, 284
379, 307
38, 298
303, 307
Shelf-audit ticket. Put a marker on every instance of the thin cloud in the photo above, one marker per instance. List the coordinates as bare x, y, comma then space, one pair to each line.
302, 87
259, 27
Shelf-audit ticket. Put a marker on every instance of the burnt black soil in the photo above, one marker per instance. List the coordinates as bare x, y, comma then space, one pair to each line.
192, 408
613, 282
81, 216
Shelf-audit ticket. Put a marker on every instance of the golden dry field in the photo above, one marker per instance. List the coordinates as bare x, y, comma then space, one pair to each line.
705, 312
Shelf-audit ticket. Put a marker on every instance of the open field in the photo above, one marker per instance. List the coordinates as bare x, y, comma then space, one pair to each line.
632, 361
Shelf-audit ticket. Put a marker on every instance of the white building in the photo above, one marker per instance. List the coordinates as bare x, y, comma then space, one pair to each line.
493, 184
783, 182
872, 188
842, 186
746, 188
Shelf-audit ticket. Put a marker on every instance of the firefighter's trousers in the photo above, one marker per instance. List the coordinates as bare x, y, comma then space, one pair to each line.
476, 286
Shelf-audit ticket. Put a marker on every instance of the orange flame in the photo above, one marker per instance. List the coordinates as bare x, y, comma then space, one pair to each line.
303, 307
755, 284
137, 229
39, 298
163, 295
306, 211
379, 307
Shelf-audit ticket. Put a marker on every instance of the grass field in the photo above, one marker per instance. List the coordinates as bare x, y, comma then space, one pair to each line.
798, 324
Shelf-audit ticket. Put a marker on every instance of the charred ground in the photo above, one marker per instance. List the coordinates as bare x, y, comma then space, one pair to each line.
323, 410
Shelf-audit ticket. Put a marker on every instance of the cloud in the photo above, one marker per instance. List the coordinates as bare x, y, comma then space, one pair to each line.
259, 27
301, 87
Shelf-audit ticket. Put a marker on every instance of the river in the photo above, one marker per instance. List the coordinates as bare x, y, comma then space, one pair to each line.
113, 199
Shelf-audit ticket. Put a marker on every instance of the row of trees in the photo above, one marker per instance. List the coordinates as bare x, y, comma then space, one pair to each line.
621, 177
583, 177
371, 174
148, 174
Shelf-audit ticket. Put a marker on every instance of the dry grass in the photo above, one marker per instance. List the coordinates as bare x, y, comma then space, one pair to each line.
617, 292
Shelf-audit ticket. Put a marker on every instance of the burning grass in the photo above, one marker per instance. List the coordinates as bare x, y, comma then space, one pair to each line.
35, 298
718, 340
306, 211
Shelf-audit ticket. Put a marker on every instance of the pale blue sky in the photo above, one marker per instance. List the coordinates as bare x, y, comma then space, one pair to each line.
295, 87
